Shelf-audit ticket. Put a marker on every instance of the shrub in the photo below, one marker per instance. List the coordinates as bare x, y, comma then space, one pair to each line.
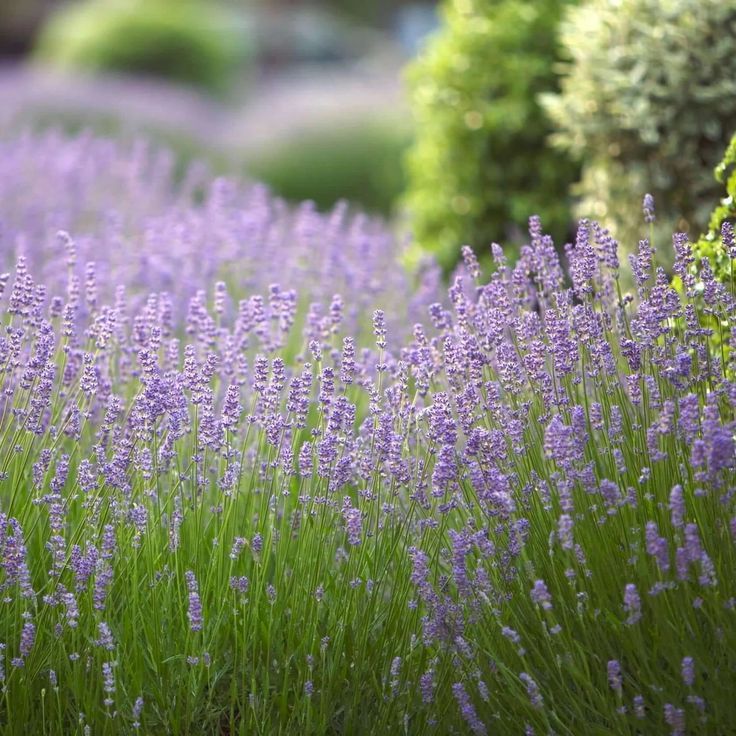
360, 162
711, 243
225, 511
648, 102
187, 42
480, 162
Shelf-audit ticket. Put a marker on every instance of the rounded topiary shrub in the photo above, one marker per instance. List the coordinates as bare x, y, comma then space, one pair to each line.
648, 102
359, 161
186, 42
480, 162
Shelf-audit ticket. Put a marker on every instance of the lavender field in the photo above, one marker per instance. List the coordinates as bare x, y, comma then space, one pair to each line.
258, 478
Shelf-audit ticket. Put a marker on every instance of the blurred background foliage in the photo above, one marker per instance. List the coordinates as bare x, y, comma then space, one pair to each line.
559, 108
235, 53
183, 41
359, 161
648, 104
710, 244
480, 163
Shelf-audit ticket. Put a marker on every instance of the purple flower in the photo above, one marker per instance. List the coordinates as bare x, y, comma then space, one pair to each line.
688, 671
683, 259
395, 673
561, 444
237, 548
239, 584
583, 261
14, 560
614, 675
105, 639
468, 710
256, 543
461, 544
353, 522
675, 719
468, 448
729, 242
347, 364
194, 613
137, 710
632, 604
445, 471
564, 531
27, 638
103, 581
677, 506
639, 709
108, 682
648, 208
657, 546
562, 344
540, 595
532, 690
497, 253
379, 328
610, 492
470, 261
427, 686
693, 549
231, 409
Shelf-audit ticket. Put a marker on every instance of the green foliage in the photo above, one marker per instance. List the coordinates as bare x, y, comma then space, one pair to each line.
376, 12
359, 162
648, 102
187, 42
480, 164
710, 243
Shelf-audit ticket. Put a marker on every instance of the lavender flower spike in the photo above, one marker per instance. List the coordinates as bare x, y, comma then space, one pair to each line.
194, 614
541, 596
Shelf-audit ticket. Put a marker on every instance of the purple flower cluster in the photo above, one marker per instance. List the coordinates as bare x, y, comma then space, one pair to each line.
118, 225
200, 387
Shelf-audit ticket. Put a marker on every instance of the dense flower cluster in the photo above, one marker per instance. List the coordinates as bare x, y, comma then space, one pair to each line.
116, 222
262, 515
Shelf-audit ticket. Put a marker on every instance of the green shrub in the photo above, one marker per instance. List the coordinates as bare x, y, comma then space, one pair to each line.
710, 244
481, 163
359, 162
648, 101
187, 41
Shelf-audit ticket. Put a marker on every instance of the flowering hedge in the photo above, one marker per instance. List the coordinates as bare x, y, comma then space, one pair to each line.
258, 516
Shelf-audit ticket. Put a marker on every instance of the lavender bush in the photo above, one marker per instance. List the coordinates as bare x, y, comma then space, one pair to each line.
255, 516
147, 230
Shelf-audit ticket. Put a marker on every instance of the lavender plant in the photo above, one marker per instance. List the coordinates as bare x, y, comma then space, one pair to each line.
146, 230
249, 520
